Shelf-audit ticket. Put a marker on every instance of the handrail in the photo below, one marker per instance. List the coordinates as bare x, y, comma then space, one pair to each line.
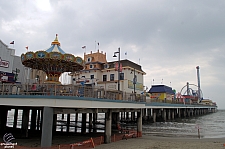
79, 91
67, 90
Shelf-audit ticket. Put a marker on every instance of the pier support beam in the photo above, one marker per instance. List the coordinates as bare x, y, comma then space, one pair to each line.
169, 115
164, 114
90, 123
62, 118
95, 117
195, 112
132, 116
154, 115
83, 127
192, 112
76, 119
184, 113
46, 135
139, 123
68, 123
149, 112
54, 123
33, 119
15, 118
189, 112
172, 114
179, 113
3, 118
25, 122
127, 115
38, 119
108, 126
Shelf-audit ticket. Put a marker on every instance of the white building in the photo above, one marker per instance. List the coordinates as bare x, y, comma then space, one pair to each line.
11, 68
99, 72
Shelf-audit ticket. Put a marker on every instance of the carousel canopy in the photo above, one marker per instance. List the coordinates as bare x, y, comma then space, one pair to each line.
55, 47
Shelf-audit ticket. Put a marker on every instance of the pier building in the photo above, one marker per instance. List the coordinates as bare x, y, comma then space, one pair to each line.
162, 93
11, 68
101, 73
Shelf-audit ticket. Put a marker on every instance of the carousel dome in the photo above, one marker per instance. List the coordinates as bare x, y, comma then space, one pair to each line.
55, 47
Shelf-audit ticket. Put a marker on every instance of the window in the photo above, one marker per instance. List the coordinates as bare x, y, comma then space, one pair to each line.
92, 76
111, 77
83, 77
89, 59
121, 76
106, 66
104, 77
91, 66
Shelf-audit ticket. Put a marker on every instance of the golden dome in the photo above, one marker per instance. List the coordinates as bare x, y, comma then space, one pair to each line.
56, 40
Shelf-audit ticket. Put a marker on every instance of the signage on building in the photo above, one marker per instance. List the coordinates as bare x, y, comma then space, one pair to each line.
138, 86
4, 63
112, 87
7, 77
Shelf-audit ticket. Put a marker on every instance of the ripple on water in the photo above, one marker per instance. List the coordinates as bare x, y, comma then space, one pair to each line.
210, 126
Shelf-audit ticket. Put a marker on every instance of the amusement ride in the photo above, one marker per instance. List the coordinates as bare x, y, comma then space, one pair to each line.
53, 61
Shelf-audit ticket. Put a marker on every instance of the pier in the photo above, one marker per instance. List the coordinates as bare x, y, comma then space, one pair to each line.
44, 106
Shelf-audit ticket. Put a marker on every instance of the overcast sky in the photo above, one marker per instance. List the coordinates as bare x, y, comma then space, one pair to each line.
168, 38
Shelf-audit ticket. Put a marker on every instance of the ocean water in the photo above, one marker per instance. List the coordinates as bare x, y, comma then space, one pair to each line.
210, 126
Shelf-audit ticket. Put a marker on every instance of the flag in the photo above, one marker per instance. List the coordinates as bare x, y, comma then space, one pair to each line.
26, 47
125, 53
12, 42
83, 47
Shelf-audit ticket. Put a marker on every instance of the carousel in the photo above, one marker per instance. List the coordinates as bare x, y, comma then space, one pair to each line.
53, 61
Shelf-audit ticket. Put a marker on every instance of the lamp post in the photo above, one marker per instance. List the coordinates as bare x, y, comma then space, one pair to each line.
134, 82
118, 67
16, 74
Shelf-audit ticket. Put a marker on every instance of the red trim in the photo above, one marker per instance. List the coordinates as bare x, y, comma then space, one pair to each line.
82, 81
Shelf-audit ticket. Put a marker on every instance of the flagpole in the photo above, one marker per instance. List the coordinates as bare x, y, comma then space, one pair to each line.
84, 47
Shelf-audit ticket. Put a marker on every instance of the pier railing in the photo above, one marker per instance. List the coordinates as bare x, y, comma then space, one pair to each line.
78, 91
69, 90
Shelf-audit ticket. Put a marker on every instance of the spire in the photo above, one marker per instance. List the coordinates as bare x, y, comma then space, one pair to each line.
56, 40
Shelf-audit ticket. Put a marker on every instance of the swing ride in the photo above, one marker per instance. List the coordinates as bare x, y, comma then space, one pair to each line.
53, 61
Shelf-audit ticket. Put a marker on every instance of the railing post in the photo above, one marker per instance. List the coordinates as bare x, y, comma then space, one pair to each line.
55, 89
3, 89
